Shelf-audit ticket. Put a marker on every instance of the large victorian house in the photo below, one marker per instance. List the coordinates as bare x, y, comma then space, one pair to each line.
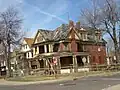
70, 45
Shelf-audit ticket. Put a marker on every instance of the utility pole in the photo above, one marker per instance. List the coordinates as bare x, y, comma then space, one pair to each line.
68, 17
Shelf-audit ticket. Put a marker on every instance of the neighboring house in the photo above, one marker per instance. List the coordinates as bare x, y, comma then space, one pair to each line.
26, 47
2, 60
67, 46
25, 54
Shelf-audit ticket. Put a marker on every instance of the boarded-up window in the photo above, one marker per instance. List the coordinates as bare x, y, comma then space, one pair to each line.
94, 59
79, 47
66, 46
100, 61
32, 54
55, 47
47, 46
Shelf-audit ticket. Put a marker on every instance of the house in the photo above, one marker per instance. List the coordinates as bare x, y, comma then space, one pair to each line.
25, 54
2, 60
68, 46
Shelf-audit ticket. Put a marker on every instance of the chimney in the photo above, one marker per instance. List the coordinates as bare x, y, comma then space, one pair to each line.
78, 25
71, 23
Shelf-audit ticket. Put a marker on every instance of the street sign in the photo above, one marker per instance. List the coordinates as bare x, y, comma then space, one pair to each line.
54, 60
84, 60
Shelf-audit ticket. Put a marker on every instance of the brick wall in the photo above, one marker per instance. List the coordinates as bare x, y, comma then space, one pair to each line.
97, 54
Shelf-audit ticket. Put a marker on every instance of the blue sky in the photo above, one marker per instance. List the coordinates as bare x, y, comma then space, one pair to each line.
45, 14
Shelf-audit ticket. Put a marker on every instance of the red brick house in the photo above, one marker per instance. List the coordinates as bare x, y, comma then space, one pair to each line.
68, 45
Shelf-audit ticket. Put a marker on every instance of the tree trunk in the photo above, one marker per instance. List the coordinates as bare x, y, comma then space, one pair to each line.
9, 74
115, 44
116, 51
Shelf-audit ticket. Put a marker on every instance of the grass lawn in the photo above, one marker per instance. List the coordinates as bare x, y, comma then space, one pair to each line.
62, 76
31, 78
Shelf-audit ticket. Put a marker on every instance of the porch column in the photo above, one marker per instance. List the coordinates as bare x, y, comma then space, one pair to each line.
29, 62
75, 67
88, 60
45, 63
45, 48
58, 65
37, 50
50, 47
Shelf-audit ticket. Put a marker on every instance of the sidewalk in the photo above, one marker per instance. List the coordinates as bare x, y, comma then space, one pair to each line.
115, 87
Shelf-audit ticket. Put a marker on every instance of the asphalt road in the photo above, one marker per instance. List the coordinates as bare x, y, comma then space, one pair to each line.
89, 83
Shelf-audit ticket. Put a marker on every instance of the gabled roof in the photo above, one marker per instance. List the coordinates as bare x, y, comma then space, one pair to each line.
29, 41
47, 34
61, 32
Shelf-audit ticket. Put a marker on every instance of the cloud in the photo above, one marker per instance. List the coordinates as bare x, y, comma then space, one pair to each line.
49, 14
58, 8
55, 9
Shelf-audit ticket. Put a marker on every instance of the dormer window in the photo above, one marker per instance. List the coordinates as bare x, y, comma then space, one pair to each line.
26, 46
84, 36
97, 37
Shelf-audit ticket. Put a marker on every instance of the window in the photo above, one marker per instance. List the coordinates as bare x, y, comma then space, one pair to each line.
83, 36
26, 46
97, 37
84, 48
93, 59
100, 60
55, 47
47, 46
32, 54
28, 54
79, 47
24, 54
65, 46
41, 49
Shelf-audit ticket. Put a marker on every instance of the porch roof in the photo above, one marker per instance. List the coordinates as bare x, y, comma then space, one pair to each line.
61, 54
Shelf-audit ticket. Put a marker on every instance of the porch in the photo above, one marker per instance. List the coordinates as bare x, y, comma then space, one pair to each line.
64, 62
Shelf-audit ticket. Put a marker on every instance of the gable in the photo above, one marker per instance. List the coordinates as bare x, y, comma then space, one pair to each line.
39, 38
25, 46
72, 34
24, 42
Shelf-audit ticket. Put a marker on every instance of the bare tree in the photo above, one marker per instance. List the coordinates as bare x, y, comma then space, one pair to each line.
107, 15
92, 16
10, 32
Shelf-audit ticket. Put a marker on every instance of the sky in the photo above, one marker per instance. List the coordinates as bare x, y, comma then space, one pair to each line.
45, 14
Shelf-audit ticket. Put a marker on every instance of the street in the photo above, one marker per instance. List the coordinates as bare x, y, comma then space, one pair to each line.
88, 83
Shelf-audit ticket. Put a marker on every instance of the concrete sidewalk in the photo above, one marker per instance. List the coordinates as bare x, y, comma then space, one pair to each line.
5, 82
115, 87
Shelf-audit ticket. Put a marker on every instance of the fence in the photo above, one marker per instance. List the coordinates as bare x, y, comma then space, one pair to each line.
71, 69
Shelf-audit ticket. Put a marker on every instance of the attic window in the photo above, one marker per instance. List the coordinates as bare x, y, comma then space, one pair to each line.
26, 46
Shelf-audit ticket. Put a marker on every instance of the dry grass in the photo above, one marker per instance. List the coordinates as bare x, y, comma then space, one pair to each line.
63, 76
